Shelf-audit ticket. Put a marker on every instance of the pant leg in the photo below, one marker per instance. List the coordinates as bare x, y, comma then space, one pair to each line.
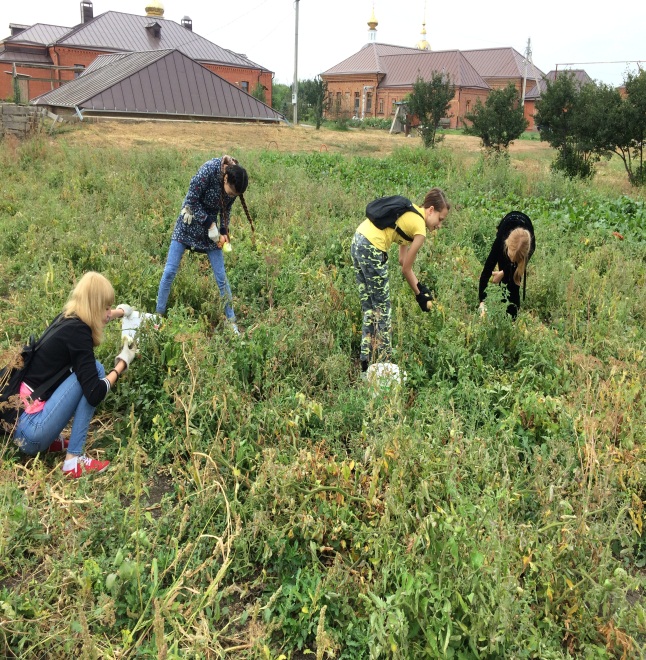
216, 258
371, 274
513, 298
173, 260
35, 432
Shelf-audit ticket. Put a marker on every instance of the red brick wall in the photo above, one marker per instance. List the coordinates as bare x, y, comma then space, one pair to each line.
237, 76
64, 56
348, 86
35, 87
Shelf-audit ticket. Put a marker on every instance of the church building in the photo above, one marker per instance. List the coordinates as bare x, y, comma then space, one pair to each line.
376, 79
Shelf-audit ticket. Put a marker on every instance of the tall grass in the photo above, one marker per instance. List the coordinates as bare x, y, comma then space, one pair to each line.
263, 501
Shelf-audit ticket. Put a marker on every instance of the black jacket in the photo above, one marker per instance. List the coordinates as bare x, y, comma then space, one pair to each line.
71, 344
511, 221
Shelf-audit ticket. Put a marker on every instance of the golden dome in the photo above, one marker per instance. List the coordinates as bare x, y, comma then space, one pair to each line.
422, 44
372, 23
155, 8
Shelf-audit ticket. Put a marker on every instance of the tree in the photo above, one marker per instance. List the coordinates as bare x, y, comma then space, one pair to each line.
499, 121
429, 102
589, 121
313, 95
559, 117
281, 98
258, 92
628, 117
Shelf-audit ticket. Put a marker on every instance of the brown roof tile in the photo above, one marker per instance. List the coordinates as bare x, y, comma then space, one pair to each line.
367, 59
403, 70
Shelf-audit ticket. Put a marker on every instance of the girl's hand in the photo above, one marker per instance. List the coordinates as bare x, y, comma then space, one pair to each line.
497, 275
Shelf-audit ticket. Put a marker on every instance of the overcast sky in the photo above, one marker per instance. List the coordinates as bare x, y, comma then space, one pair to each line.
331, 30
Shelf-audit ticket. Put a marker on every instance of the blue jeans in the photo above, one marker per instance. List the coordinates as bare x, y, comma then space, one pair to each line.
175, 254
36, 431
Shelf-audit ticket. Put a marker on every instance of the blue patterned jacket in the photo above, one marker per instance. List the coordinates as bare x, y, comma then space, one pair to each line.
209, 203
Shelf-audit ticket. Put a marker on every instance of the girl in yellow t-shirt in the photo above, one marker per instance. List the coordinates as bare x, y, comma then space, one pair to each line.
369, 251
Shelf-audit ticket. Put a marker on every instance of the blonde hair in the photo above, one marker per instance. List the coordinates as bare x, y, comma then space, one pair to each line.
517, 246
89, 300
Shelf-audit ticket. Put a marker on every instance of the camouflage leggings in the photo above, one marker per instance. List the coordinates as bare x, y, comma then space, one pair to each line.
371, 273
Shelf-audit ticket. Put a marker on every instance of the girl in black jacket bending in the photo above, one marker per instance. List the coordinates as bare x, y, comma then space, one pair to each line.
511, 250
65, 355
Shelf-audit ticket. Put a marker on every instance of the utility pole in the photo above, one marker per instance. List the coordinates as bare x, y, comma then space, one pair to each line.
528, 58
295, 89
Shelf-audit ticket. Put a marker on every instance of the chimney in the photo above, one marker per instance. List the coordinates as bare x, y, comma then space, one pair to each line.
87, 12
17, 29
187, 23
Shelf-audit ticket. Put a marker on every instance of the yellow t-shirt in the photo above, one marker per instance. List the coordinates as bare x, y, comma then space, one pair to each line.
410, 223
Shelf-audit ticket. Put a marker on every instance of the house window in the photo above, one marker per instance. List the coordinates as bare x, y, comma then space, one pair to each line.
468, 105
357, 99
393, 110
245, 86
369, 102
78, 73
381, 106
339, 96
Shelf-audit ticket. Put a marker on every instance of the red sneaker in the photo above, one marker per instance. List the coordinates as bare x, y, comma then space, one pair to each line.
59, 444
85, 464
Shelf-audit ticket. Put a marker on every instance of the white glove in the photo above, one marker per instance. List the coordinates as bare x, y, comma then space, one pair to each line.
127, 310
187, 215
128, 352
214, 232
482, 308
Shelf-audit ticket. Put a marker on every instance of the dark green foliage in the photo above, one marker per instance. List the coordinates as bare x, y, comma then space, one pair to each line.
499, 121
281, 98
627, 136
313, 97
585, 123
258, 92
430, 101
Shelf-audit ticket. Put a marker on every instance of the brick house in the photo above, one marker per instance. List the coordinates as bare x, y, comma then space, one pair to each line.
372, 81
43, 56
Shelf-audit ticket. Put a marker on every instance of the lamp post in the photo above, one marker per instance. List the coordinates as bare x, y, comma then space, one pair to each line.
295, 89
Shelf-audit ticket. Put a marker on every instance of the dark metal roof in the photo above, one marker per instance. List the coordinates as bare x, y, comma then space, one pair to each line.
41, 33
404, 70
159, 82
501, 63
30, 58
580, 76
117, 31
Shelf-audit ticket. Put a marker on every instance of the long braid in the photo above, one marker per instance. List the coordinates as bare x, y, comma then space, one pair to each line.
246, 210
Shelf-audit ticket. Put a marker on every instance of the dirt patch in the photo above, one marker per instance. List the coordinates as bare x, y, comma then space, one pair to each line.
228, 136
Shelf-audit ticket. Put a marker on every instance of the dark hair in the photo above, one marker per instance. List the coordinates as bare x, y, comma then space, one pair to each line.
436, 198
236, 176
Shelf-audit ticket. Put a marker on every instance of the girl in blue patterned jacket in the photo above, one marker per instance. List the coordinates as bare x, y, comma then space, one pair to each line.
203, 225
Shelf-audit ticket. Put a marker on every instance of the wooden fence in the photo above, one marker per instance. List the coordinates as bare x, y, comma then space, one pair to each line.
20, 120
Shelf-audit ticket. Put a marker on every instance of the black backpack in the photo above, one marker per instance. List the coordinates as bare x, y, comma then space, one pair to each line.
12, 376
385, 211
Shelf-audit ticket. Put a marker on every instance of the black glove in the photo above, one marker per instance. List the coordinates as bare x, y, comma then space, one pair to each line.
424, 289
423, 298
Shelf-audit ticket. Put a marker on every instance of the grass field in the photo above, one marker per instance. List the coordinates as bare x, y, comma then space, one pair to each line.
265, 502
